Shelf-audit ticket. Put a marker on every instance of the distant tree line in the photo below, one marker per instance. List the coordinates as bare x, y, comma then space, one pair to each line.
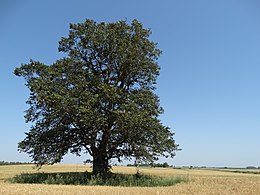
13, 163
164, 165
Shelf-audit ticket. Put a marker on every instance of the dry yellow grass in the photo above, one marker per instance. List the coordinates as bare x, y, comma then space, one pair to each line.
202, 182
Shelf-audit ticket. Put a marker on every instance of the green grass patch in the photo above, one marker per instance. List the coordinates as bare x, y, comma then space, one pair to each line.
86, 178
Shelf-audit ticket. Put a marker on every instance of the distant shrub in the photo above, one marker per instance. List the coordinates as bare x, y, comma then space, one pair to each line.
251, 167
13, 163
164, 165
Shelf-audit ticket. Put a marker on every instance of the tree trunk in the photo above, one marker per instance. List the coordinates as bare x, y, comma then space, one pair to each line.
100, 164
100, 156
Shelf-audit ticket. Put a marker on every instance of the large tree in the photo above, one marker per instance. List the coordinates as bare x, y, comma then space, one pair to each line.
99, 99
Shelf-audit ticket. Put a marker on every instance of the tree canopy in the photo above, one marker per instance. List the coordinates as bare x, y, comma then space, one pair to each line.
99, 99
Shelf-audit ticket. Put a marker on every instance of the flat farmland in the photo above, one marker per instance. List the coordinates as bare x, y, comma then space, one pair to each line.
200, 181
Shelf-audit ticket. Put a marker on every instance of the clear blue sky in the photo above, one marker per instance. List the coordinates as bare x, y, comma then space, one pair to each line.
209, 84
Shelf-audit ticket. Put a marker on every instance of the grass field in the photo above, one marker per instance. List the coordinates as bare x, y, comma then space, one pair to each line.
199, 182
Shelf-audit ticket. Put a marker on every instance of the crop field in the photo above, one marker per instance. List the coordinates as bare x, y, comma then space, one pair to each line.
199, 181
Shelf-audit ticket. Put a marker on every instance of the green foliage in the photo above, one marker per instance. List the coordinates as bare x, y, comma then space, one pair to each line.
79, 178
164, 165
99, 100
13, 163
